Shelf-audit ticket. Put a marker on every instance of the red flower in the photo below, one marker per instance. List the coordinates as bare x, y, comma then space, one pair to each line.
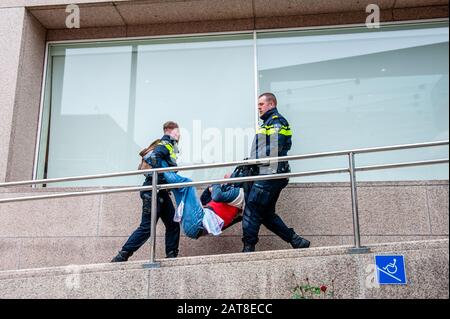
323, 288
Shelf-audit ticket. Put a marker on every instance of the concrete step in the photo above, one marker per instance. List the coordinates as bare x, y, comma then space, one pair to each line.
269, 274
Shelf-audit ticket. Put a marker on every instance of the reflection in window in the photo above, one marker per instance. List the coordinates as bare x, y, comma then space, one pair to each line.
340, 89
361, 89
106, 102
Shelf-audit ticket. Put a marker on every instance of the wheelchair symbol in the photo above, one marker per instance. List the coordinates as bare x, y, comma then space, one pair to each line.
392, 267
390, 270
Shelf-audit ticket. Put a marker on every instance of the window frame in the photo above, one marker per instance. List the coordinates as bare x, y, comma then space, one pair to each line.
419, 24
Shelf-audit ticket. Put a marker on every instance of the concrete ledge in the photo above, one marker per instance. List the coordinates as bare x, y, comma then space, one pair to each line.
229, 258
22, 253
257, 275
171, 18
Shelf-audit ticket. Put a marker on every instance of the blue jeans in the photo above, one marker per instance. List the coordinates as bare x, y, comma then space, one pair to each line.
166, 212
260, 209
192, 221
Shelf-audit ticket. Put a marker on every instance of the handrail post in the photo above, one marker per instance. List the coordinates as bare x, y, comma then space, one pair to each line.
154, 216
357, 249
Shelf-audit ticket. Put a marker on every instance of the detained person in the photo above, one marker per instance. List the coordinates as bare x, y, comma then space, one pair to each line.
219, 207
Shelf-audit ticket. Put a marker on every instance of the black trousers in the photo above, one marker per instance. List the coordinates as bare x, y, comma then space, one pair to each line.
166, 212
260, 210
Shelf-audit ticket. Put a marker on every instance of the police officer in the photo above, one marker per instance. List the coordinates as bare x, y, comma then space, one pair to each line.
165, 150
273, 138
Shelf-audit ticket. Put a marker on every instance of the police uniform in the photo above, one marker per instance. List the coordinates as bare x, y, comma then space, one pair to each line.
165, 151
273, 139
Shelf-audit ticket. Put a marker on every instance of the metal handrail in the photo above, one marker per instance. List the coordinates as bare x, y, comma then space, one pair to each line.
171, 186
351, 169
225, 164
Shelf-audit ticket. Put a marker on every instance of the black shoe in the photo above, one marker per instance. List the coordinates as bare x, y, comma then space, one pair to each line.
121, 256
248, 248
299, 242
172, 254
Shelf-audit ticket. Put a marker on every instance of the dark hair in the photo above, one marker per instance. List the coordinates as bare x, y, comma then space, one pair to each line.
170, 125
270, 97
206, 196
149, 148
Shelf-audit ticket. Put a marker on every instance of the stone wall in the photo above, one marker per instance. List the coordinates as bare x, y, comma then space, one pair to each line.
91, 229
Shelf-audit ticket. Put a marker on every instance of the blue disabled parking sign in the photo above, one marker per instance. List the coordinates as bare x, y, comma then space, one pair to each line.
391, 269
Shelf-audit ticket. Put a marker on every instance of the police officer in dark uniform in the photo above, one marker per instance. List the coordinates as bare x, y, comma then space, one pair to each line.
165, 150
273, 139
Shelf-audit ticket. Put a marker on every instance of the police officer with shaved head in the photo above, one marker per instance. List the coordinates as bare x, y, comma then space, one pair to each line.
273, 139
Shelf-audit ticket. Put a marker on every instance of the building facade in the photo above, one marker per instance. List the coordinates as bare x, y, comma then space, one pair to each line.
78, 101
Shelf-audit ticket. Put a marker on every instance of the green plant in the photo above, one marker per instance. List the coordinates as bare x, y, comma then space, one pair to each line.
308, 291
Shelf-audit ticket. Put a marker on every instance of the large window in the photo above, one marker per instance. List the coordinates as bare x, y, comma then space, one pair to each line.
340, 89
351, 88
105, 102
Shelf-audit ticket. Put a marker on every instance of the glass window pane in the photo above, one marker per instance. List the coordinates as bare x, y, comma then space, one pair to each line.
110, 100
354, 88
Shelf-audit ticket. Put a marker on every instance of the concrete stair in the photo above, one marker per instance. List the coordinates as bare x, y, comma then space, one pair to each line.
268, 274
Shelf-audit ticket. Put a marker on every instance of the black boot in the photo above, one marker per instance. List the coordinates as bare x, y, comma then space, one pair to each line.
121, 256
172, 254
299, 242
248, 248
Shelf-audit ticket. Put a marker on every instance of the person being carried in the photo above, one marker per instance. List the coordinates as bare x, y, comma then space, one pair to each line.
218, 208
